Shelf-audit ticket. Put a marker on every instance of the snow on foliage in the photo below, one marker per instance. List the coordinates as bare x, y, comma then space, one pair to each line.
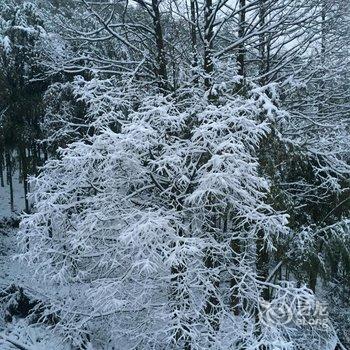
20, 335
145, 213
194, 182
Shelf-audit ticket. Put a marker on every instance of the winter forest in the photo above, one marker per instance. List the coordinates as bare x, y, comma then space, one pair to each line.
174, 174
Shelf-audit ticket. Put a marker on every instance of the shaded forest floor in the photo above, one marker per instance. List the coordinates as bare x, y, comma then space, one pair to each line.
5, 200
16, 332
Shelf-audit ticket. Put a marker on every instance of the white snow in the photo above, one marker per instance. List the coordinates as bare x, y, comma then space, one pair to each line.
18, 194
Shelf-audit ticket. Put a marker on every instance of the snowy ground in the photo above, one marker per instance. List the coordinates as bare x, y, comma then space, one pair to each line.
19, 334
18, 194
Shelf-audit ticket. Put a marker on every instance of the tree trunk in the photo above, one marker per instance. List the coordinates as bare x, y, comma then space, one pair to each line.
313, 277
180, 299
322, 87
208, 46
24, 162
2, 184
161, 69
262, 42
236, 249
211, 263
262, 263
9, 178
194, 39
212, 301
241, 48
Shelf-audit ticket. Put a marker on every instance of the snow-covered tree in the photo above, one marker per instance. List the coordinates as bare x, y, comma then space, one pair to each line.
187, 201
157, 217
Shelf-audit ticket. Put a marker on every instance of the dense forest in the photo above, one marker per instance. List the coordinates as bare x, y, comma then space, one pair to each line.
175, 174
